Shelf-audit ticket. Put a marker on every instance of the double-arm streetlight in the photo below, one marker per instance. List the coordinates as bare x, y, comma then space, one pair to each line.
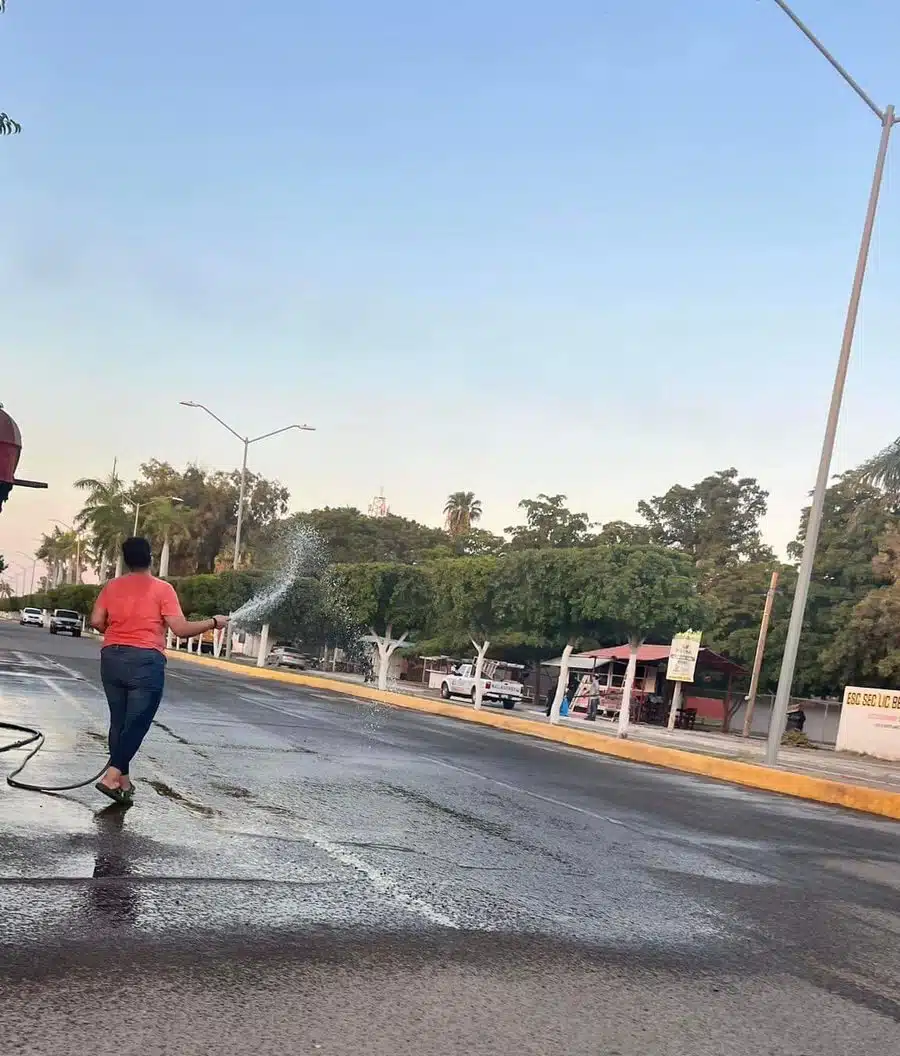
23, 572
246, 441
138, 506
887, 120
34, 560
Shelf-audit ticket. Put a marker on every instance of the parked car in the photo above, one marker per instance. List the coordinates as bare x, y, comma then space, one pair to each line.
34, 617
285, 656
66, 621
461, 683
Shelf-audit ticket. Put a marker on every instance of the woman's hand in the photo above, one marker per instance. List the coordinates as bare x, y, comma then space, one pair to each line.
221, 622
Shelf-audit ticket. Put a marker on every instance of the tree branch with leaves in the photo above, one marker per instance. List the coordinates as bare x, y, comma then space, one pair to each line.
8, 127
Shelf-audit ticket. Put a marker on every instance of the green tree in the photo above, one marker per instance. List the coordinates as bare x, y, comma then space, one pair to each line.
548, 523
461, 512
644, 592
534, 605
8, 127
58, 551
622, 532
477, 542
736, 596
714, 522
866, 648
857, 519
381, 598
209, 508
351, 536
168, 522
104, 516
883, 469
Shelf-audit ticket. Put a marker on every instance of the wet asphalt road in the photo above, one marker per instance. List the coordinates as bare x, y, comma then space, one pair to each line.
309, 873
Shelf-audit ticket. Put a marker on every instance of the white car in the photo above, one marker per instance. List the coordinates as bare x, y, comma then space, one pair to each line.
284, 656
34, 617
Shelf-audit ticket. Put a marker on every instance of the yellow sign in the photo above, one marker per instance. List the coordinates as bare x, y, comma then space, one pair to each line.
683, 655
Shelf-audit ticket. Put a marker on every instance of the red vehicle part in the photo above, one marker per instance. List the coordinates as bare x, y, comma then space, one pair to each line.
10, 450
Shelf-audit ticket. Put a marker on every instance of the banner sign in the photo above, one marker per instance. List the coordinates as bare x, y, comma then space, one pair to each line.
683, 655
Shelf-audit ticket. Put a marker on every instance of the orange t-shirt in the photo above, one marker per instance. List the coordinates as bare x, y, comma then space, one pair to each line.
136, 606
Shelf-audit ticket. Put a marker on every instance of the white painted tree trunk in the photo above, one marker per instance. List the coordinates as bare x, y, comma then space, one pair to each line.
218, 639
263, 646
676, 704
119, 564
168, 638
164, 558
480, 653
625, 713
561, 684
386, 649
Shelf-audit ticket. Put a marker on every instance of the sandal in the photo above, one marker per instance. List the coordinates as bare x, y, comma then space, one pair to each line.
115, 794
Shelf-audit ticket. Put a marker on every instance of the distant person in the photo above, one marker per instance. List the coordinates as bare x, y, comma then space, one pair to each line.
593, 698
132, 613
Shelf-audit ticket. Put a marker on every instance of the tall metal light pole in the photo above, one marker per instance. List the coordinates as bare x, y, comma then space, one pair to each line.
246, 441
34, 561
20, 591
786, 677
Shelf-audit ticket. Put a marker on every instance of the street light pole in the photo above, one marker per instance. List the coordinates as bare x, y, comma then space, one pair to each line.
240, 511
34, 562
817, 506
246, 441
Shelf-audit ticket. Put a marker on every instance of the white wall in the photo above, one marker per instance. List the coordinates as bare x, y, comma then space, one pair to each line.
870, 722
822, 718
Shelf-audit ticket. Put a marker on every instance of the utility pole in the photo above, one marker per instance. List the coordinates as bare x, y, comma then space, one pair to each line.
760, 652
795, 627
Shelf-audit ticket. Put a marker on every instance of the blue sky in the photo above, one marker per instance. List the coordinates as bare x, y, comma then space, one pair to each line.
512, 247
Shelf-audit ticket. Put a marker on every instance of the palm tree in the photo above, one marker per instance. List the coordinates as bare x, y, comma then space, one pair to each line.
461, 511
104, 515
170, 522
883, 469
8, 127
57, 551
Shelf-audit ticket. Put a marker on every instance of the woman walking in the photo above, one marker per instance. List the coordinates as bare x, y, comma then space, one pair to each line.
132, 613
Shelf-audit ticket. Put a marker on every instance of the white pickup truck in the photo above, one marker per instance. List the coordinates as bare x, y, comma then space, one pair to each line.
461, 683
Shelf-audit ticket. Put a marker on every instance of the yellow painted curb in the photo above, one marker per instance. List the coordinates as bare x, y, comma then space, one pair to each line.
751, 775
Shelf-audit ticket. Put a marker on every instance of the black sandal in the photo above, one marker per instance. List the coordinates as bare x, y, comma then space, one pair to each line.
115, 794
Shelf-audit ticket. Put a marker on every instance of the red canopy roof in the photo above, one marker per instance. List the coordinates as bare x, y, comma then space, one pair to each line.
654, 654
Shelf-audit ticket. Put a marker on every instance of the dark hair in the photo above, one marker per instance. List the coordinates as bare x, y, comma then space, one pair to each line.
136, 553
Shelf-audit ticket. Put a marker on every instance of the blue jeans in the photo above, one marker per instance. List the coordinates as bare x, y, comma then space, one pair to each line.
133, 681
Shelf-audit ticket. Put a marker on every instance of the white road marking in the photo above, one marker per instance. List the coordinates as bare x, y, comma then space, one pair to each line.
388, 886
68, 670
